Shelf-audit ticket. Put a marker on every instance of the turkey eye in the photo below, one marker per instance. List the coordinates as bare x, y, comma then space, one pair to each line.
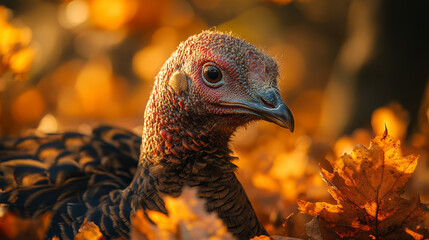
212, 75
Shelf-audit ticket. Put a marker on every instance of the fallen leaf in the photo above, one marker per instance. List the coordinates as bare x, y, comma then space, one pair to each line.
89, 231
187, 219
367, 185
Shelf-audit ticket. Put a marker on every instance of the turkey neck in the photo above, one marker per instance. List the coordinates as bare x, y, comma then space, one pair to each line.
183, 147
180, 144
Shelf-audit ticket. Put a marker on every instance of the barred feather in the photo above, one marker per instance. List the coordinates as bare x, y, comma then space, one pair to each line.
66, 173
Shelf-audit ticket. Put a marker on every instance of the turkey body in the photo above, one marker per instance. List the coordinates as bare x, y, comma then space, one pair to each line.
213, 84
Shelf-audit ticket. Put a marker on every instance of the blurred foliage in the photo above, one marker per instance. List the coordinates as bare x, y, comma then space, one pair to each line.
15, 54
347, 69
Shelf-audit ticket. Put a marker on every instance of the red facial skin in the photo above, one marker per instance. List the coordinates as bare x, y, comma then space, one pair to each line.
246, 71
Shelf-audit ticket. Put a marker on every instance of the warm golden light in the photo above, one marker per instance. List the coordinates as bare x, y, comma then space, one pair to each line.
308, 110
148, 61
74, 13
292, 67
264, 181
178, 13
48, 124
113, 14
21, 60
94, 85
392, 117
343, 145
15, 55
28, 107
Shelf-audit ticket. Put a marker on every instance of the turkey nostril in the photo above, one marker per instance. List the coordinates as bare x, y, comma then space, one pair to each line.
266, 103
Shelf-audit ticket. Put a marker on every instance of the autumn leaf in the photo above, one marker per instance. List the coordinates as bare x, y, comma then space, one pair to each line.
187, 219
367, 186
89, 231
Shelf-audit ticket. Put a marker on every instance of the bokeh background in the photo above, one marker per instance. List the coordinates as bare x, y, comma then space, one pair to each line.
348, 69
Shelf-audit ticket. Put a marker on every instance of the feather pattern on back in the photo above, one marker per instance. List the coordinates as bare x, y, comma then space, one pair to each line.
66, 173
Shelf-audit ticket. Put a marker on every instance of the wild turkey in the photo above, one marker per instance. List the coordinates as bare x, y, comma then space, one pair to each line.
212, 84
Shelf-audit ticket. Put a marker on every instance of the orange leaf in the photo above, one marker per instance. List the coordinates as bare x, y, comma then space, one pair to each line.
367, 186
89, 231
186, 219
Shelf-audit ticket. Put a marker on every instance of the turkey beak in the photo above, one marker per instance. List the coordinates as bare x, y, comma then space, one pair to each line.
271, 107
268, 106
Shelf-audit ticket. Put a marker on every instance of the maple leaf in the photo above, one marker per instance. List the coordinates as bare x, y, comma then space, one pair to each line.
367, 186
187, 219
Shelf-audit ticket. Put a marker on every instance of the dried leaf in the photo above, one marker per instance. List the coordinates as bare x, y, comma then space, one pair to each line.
89, 231
187, 219
367, 185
